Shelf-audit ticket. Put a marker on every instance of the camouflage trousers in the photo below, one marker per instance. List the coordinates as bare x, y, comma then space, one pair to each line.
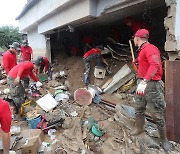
17, 93
0, 73
153, 101
87, 62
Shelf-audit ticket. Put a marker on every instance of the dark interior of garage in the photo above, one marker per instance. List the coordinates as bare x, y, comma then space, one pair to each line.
64, 42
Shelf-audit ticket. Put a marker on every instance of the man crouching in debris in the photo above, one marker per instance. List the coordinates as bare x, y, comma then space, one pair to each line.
94, 53
150, 88
15, 75
45, 66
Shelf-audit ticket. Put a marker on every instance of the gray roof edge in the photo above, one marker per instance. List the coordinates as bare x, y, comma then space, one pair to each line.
28, 5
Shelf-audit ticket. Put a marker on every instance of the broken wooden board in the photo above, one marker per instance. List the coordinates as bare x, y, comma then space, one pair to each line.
119, 79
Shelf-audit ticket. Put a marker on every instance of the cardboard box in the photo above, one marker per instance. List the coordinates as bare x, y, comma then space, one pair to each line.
32, 139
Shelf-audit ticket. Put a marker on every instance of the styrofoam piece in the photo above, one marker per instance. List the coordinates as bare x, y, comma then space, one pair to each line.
47, 102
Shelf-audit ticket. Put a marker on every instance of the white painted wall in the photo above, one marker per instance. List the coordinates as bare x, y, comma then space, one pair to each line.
37, 42
72, 13
50, 14
39, 11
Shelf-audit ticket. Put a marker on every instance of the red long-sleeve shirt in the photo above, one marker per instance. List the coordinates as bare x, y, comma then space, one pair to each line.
91, 52
23, 70
149, 60
9, 61
26, 53
5, 116
45, 63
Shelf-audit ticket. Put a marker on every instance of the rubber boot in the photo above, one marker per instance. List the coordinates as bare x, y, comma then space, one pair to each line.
139, 120
166, 145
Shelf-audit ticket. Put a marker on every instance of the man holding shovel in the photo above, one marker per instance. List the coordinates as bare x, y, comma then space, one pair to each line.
150, 88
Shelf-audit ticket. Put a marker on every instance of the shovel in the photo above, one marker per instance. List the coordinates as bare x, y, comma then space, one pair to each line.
133, 58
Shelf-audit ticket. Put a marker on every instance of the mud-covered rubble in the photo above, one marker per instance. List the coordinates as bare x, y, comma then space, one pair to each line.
114, 116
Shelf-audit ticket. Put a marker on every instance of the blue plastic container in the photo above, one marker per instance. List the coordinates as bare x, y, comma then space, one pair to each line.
96, 130
34, 122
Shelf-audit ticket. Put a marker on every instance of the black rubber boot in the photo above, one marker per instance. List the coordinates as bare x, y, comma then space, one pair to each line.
139, 120
166, 145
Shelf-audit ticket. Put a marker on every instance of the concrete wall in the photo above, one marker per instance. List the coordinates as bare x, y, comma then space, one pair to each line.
172, 24
37, 42
177, 24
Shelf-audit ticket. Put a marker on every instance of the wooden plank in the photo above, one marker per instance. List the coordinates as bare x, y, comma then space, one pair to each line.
172, 91
120, 83
115, 83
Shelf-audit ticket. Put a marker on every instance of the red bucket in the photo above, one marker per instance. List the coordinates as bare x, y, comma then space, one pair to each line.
83, 96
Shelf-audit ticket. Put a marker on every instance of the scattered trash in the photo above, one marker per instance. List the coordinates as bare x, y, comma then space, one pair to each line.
83, 96
15, 130
94, 90
47, 102
42, 77
51, 134
125, 115
62, 73
34, 122
6, 91
99, 72
3, 81
88, 123
61, 97
74, 114
127, 86
58, 91
60, 151
97, 130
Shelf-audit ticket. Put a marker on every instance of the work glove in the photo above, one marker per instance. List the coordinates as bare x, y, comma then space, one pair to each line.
141, 88
38, 84
12, 152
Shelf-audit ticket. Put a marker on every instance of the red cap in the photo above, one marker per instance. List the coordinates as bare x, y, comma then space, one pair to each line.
143, 33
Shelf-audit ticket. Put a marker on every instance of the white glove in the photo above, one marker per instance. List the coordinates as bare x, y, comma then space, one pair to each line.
12, 152
38, 84
141, 88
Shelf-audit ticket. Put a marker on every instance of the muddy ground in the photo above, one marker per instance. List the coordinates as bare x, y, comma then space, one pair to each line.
74, 136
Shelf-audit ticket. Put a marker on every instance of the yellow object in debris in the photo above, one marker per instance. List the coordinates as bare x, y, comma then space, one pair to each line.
28, 103
21, 111
127, 86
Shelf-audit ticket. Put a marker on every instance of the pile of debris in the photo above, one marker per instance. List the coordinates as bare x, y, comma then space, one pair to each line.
62, 117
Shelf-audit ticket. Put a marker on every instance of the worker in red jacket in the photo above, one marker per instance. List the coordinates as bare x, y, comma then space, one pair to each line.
6, 111
26, 51
150, 88
135, 24
45, 66
87, 42
18, 73
94, 53
9, 57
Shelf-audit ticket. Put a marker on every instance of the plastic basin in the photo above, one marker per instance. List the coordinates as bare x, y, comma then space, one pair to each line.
96, 130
